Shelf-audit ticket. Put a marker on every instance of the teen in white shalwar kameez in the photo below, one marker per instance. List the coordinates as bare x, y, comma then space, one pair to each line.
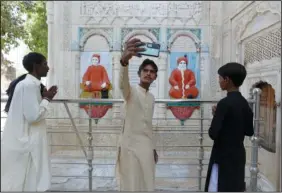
135, 163
25, 163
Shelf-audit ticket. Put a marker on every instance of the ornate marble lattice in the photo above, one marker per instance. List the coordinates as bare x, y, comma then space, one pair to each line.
264, 47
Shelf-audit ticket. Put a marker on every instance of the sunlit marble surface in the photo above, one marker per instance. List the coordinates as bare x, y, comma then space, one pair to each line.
172, 174
72, 175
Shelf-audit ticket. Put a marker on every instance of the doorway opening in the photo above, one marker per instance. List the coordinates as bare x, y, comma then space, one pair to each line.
267, 128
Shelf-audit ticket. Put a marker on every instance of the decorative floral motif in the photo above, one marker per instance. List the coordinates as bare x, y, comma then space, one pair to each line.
154, 31
124, 32
165, 9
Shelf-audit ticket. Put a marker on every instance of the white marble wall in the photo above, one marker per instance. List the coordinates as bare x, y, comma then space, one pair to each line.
225, 25
242, 21
107, 21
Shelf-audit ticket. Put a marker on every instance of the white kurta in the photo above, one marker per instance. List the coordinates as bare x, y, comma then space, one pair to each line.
25, 163
135, 160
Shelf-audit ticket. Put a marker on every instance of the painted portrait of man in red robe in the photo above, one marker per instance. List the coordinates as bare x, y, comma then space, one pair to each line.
182, 81
96, 77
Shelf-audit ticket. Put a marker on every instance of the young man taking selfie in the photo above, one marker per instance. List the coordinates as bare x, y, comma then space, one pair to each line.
137, 155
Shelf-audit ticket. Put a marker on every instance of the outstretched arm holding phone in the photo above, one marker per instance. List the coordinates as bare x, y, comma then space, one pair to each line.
137, 156
131, 49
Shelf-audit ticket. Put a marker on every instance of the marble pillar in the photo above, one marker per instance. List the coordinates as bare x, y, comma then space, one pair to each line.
116, 92
205, 81
162, 75
50, 22
278, 136
162, 79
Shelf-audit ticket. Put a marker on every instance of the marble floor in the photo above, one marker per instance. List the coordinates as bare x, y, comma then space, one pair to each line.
72, 175
175, 171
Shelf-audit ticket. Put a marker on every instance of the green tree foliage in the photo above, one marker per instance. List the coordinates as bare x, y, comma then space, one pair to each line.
23, 20
36, 27
12, 29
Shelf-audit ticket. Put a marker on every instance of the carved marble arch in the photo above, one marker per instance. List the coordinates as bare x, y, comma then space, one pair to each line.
248, 26
94, 32
248, 18
140, 32
185, 34
268, 109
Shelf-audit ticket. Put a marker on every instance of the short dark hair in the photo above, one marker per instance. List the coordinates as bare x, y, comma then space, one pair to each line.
147, 62
32, 58
234, 71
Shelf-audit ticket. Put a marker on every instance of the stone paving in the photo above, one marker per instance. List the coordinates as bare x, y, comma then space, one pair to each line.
73, 175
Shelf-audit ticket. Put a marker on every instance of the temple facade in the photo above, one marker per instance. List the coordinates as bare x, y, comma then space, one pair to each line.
208, 33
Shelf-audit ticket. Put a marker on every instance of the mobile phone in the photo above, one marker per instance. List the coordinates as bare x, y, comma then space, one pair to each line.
152, 49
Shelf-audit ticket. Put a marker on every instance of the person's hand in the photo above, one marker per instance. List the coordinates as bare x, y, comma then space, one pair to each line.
131, 48
176, 87
50, 93
103, 85
187, 86
87, 83
156, 157
213, 109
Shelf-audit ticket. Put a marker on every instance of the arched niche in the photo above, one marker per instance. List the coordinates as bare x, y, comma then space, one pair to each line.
267, 130
259, 24
135, 62
98, 35
184, 43
259, 18
255, 21
187, 35
150, 37
180, 44
94, 42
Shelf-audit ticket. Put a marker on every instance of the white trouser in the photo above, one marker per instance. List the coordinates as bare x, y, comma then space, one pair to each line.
213, 179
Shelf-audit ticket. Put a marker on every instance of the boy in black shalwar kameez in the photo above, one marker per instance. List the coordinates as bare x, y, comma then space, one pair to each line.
232, 121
